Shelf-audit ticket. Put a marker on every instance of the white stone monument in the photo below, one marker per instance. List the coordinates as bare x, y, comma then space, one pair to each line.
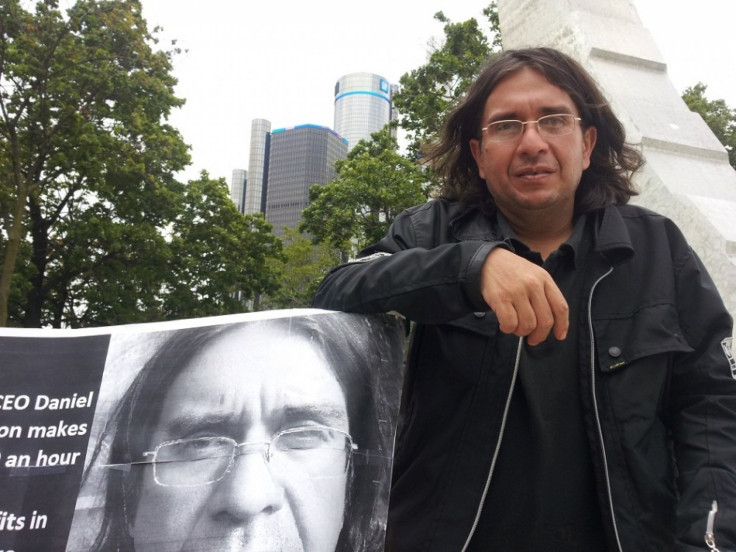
687, 176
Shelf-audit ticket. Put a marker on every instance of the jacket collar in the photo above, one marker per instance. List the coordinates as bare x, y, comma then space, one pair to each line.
472, 224
612, 238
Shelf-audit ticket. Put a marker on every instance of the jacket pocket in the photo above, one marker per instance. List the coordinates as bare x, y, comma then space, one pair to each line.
463, 347
624, 338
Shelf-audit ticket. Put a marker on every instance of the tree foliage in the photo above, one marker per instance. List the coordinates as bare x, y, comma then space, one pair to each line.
375, 183
300, 271
429, 92
209, 260
717, 115
218, 255
93, 223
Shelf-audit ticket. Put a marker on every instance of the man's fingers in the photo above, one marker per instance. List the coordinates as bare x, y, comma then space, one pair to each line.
544, 320
527, 318
560, 311
525, 298
507, 317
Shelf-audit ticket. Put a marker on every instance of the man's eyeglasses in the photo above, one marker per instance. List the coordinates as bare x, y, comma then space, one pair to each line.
314, 451
549, 126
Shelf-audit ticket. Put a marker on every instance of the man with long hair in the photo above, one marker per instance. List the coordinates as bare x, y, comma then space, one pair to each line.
568, 385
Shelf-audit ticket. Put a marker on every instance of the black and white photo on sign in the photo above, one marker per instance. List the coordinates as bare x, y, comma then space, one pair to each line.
271, 434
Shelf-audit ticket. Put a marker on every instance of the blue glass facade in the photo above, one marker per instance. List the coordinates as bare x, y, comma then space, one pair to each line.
299, 157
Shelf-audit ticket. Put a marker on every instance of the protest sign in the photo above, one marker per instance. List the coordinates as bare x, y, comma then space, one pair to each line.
264, 431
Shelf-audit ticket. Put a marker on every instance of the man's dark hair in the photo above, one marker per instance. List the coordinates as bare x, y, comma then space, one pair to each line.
348, 342
608, 179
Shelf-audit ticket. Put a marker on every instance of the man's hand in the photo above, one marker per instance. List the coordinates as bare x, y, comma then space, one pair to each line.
525, 298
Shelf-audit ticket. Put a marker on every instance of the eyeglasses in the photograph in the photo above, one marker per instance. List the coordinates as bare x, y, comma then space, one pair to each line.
314, 451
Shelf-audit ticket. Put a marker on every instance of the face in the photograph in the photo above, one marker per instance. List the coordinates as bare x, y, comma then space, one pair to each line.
251, 451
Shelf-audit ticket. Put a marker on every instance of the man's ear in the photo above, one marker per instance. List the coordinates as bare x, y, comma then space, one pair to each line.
590, 135
475, 149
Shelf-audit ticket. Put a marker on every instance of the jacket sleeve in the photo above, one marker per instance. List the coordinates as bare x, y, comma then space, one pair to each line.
414, 271
703, 395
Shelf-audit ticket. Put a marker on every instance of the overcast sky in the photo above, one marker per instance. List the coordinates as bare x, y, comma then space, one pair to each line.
279, 59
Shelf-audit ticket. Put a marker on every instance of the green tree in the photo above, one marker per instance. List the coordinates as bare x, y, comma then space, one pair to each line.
717, 115
83, 97
302, 268
94, 227
219, 257
429, 92
375, 183
208, 260
100, 271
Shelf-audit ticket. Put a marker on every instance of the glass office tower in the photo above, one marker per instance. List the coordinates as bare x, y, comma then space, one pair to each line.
362, 106
257, 166
299, 157
238, 185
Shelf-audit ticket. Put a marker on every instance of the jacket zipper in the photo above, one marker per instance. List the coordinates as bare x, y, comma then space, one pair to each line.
709, 534
498, 446
710, 537
595, 408
505, 416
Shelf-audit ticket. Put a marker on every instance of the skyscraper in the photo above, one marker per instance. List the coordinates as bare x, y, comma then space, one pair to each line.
238, 185
362, 106
257, 165
298, 158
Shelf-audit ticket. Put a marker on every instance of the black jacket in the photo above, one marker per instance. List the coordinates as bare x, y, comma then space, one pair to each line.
658, 391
